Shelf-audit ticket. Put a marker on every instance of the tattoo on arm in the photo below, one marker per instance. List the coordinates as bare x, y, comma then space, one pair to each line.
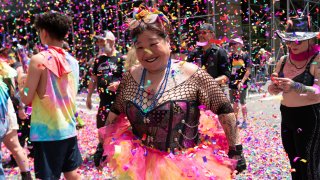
228, 123
302, 89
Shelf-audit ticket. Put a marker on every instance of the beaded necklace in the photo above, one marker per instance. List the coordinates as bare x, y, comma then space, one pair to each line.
139, 95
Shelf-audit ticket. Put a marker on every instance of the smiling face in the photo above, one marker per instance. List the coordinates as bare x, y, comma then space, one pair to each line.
152, 50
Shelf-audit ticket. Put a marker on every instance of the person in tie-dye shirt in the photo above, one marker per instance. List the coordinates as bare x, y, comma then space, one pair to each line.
51, 86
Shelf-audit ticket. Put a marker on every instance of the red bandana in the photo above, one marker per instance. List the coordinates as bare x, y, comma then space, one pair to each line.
304, 55
56, 61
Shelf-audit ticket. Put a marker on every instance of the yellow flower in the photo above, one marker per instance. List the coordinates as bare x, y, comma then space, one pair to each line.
142, 14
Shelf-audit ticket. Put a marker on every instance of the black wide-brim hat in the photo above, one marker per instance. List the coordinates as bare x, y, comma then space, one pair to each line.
298, 29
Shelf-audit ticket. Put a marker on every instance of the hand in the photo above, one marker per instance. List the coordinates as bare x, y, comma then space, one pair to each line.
22, 80
285, 84
113, 86
274, 89
89, 103
22, 114
80, 123
273, 76
240, 85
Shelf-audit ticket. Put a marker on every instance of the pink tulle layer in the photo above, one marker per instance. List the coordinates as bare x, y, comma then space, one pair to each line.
130, 159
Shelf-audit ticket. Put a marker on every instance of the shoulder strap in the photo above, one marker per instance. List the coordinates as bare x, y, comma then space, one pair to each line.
283, 63
311, 61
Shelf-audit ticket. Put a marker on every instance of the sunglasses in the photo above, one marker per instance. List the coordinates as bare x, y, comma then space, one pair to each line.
294, 42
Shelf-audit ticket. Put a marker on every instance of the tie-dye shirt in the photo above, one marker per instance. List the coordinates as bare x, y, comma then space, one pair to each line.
53, 117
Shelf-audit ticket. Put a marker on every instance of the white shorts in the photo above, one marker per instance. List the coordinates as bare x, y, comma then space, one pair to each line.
12, 117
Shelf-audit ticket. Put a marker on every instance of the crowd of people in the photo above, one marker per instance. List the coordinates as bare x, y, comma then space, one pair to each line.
159, 110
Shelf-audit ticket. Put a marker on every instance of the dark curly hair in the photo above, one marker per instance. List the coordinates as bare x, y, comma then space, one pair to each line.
56, 24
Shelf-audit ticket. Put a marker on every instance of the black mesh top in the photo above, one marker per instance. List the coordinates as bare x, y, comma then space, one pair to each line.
173, 123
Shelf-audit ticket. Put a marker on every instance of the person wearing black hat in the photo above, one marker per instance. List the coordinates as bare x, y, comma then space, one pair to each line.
210, 56
297, 77
106, 75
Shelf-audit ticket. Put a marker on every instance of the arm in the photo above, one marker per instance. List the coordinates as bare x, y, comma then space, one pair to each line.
28, 89
19, 72
211, 95
273, 88
92, 85
224, 67
246, 75
228, 123
248, 71
222, 79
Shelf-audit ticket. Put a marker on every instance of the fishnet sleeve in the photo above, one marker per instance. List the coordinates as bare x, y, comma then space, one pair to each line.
118, 105
211, 95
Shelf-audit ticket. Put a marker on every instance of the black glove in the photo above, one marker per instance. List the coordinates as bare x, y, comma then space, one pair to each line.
237, 151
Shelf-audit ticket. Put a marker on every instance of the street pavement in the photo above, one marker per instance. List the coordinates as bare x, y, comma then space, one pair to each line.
263, 149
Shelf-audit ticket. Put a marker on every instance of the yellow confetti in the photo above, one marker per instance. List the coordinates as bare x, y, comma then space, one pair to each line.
303, 160
148, 51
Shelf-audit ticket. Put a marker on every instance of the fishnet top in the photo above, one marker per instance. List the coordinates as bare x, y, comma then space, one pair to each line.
173, 122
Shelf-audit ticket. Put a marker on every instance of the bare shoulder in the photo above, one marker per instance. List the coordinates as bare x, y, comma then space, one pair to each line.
38, 58
315, 66
186, 68
136, 71
316, 61
134, 68
317, 58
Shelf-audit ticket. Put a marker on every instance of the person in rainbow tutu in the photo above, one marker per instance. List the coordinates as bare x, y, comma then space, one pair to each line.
165, 121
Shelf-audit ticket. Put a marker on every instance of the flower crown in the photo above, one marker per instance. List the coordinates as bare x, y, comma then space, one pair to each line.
147, 15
